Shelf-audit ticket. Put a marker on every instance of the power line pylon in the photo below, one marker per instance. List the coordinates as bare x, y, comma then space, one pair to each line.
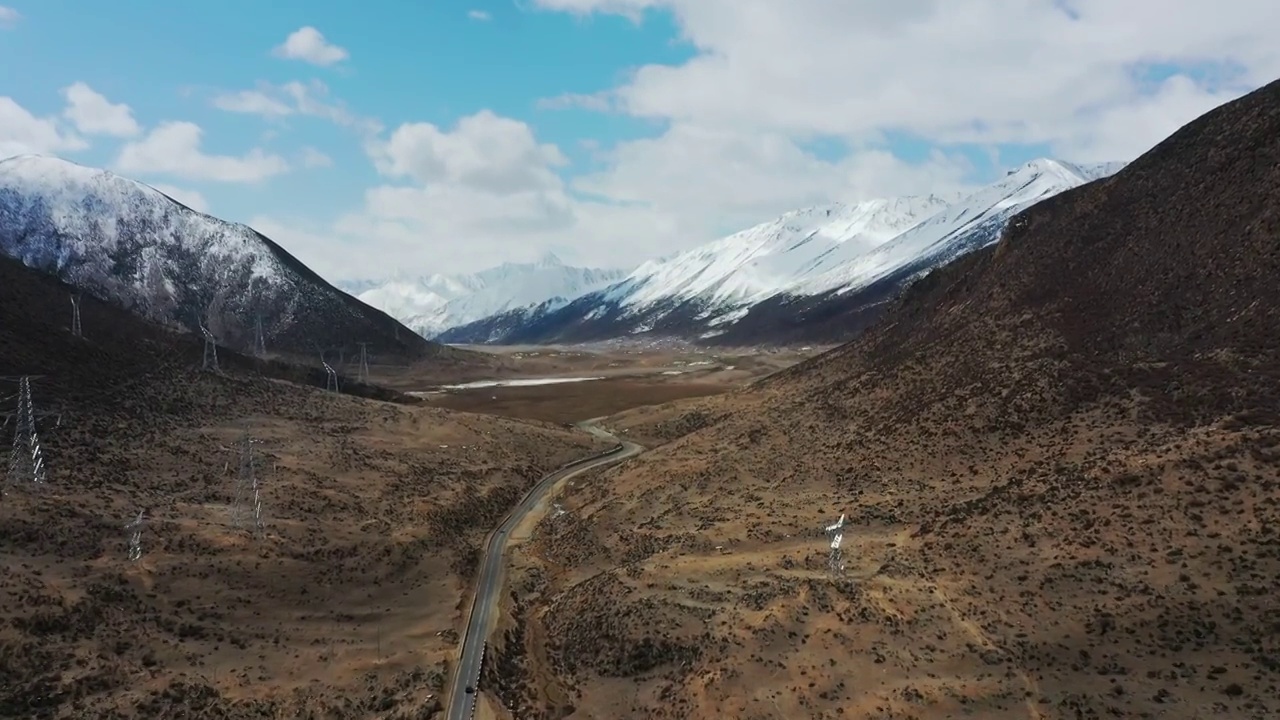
135, 536
835, 558
246, 509
26, 458
75, 316
364, 362
330, 376
259, 340
210, 350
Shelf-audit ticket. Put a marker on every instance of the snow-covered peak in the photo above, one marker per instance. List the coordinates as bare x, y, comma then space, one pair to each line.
89, 204
755, 263
124, 241
961, 227
435, 303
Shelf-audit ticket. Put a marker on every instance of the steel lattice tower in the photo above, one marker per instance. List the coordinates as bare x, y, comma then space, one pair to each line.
75, 316
210, 350
259, 340
247, 505
26, 459
835, 559
135, 536
364, 362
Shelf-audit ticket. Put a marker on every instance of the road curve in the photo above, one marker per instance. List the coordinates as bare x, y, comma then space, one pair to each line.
489, 582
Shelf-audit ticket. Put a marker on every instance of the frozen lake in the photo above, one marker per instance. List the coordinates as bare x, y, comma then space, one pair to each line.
517, 382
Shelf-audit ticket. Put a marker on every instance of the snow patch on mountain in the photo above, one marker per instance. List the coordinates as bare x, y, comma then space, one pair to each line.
962, 227
126, 242
754, 264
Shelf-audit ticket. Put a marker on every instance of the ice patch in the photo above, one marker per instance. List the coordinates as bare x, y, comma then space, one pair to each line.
518, 382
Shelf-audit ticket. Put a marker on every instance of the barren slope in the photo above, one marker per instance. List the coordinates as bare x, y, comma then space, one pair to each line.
348, 607
1059, 459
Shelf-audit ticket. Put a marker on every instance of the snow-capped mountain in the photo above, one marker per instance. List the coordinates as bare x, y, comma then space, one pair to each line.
751, 265
806, 265
435, 303
128, 243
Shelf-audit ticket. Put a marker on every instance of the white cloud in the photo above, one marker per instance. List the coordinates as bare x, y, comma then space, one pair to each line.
309, 45
742, 117
173, 148
190, 198
600, 102
479, 15
488, 190
716, 180
319, 249
93, 114
484, 151
8, 17
986, 71
1127, 130
313, 158
253, 102
741, 120
21, 132
295, 98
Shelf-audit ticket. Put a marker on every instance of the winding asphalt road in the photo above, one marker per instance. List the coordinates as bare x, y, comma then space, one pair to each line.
489, 585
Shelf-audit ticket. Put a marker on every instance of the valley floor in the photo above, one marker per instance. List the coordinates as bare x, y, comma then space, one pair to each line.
1092, 569
352, 599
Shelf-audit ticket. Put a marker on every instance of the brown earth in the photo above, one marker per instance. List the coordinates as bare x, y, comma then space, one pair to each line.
348, 606
571, 402
1060, 460
643, 383
729, 367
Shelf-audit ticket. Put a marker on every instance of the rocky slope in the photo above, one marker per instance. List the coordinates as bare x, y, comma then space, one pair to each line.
126, 242
1058, 457
346, 605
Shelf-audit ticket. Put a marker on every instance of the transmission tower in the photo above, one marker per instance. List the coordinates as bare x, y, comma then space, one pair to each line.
26, 459
364, 362
135, 536
246, 509
210, 350
835, 560
75, 316
259, 340
330, 376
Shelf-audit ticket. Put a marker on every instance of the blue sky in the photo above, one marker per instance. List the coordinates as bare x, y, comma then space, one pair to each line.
451, 135
434, 63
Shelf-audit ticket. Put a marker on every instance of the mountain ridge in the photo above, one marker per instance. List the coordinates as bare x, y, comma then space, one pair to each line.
759, 285
432, 304
125, 241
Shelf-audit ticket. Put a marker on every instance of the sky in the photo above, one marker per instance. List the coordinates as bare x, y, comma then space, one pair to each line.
403, 137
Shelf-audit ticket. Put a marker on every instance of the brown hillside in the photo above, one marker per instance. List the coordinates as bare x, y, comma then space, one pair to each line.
1060, 459
349, 606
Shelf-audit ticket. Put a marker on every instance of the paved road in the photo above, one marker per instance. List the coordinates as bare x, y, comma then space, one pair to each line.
489, 585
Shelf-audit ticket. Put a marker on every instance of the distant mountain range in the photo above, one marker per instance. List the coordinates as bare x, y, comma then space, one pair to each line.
128, 243
817, 274
434, 303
